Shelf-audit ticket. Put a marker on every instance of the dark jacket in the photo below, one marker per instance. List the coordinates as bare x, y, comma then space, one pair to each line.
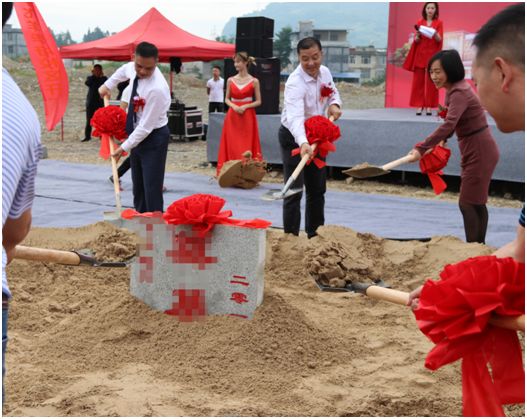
93, 99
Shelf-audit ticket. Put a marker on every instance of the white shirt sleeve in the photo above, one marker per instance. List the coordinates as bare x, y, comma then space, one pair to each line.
127, 92
294, 104
121, 74
152, 111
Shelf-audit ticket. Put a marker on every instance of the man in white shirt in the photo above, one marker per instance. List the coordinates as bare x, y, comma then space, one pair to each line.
302, 100
215, 91
146, 125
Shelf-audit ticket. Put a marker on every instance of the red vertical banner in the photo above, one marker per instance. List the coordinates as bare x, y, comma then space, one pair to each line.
44, 54
461, 21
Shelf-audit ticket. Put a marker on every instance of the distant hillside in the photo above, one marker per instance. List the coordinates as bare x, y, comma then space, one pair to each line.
367, 22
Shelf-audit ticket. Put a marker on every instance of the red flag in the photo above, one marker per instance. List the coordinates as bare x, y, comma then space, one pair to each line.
45, 57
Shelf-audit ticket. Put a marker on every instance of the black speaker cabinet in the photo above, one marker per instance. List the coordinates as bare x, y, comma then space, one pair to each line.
267, 71
254, 27
257, 47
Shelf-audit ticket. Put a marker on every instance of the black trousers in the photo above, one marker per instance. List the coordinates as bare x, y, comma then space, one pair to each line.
124, 167
314, 180
147, 161
90, 110
216, 107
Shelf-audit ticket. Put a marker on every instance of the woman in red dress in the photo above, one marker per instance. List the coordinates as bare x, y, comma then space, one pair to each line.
240, 128
428, 41
479, 151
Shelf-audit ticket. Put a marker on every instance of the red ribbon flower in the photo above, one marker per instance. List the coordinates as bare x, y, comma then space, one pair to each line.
139, 103
108, 122
202, 211
326, 91
324, 133
442, 111
432, 164
454, 313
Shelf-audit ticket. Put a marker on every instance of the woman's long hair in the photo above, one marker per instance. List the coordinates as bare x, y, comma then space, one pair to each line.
436, 14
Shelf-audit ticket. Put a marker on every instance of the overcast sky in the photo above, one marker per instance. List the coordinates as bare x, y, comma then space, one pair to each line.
204, 18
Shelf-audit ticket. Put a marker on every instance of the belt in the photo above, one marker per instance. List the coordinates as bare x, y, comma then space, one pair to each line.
475, 132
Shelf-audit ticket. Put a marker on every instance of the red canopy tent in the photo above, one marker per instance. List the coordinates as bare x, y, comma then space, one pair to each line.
152, 27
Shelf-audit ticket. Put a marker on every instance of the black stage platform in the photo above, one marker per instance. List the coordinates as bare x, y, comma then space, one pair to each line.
378, 136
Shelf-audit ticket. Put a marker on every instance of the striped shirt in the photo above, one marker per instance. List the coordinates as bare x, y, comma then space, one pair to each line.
21, 150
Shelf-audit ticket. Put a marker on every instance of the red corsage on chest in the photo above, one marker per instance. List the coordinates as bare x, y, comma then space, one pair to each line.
139, 103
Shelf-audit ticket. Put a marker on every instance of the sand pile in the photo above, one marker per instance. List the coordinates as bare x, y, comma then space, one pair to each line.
80, 345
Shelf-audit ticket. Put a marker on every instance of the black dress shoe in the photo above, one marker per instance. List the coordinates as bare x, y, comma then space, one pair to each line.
419, 113
429, 113
85, 139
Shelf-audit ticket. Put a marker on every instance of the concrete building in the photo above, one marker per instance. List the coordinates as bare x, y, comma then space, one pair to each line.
334, 44
13, 42
369, 61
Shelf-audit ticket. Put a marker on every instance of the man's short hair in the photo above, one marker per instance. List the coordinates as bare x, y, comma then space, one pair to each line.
7, 8
98, 66
451, 63
217, 66
504, 36
146, 50
307, 43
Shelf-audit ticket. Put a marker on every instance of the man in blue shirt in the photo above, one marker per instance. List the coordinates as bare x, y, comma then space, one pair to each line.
21, 150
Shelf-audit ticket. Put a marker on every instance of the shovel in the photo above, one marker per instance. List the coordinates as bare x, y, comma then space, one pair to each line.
380, 291
364, 170
276, 194
62, 257
113, 216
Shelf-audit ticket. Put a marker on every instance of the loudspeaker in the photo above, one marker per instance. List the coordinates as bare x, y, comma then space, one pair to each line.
267, 71
254, 27
175, 64
257, 47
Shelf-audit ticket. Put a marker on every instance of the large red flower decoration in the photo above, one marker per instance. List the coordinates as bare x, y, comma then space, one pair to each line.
432, 164
110, 120
454, 313
203, 211
324, 133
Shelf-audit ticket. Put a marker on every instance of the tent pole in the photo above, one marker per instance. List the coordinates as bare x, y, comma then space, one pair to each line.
62, 129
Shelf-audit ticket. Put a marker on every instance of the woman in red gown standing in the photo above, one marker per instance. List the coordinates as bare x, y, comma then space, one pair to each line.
424, 94
240, 128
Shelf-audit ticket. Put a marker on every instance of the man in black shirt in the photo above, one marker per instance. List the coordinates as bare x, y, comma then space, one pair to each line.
93, 99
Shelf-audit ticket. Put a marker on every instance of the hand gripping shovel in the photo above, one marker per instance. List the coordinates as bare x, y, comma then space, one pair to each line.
364, 170
62, 257
275, 194
380, 291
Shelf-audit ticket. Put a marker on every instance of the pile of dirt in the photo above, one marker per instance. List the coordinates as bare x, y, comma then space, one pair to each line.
81, 345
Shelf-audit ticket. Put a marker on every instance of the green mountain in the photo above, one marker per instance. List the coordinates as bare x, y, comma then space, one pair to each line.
367, 22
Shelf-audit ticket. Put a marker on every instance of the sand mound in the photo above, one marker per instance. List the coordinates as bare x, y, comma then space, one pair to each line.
80, 345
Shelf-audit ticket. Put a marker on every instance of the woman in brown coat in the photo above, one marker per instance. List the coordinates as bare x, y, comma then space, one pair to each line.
479, 151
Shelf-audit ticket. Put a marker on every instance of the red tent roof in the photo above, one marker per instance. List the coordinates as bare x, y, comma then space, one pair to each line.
155, 28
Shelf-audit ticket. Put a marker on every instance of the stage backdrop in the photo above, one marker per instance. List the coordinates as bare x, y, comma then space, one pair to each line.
461, 21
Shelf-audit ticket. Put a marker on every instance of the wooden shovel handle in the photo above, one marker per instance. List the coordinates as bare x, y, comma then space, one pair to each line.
47, 255
395, 163
115, 175
401, 298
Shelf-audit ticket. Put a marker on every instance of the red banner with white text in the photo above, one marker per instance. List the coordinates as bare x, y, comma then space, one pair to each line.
461, 21
44, 54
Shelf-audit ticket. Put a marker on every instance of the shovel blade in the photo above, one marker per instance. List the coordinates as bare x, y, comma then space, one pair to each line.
365, 172
275, 194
